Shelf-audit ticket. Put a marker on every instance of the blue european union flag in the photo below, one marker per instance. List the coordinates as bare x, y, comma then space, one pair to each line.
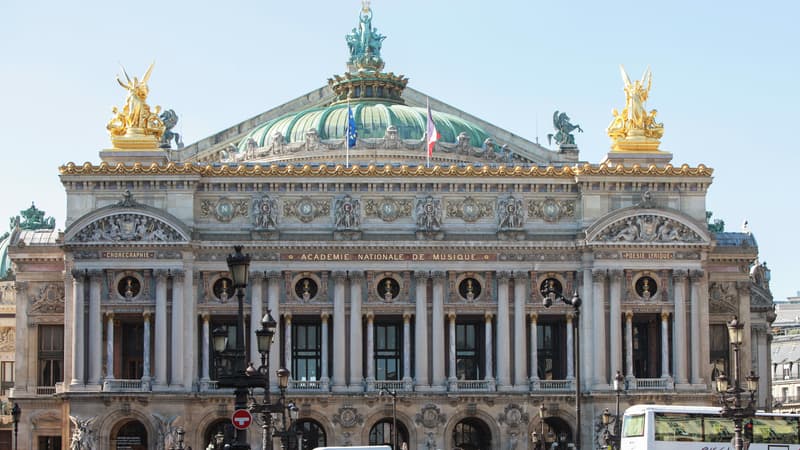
352, 132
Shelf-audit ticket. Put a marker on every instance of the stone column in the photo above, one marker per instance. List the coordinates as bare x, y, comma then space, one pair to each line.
178, 330
746, 352
598, 357
615, 323
421, 329
110, 346
256, 313
697, 327
95, 329
78, 331
570, 348
206, 362
146, 346
629, 343
679, 341
406, 347
534, 349
664, 344
324, 364
356, 327
503, 333
273, 300
451, 354
520, 294
287, 350
586, 326
437, 327
161, 328
370, 349
339, 333
489, 365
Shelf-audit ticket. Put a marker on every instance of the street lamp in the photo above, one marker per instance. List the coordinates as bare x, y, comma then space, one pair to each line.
394, 415
15, 413
551, 292
613, 437
730, 397
237, 378
264, 337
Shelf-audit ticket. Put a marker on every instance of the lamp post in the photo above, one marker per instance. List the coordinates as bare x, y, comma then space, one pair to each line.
394, 415
613, 438
730, 397
264, 337
237, 378
15, 413
551, 293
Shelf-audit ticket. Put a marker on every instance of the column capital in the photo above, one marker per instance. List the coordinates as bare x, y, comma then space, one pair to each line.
324, 316
78, 274
664, 316
273, 274
161, 274
451, 316
570, 316
356, 276
177, 274
503, 275
421, 275
680, 275
743, 287
257, 275
339, 275
438, 275
406, 316
628, 316
615, 274
206, 316
599, 275
487, 316
522, 275
146, 315
534, 317
287, 317
370, 316
696, 274
94, 274
109, 315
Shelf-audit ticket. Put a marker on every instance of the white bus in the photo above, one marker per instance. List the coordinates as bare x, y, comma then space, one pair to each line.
673, 427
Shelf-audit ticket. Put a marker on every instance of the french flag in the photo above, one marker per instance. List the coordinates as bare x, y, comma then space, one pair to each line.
433, 135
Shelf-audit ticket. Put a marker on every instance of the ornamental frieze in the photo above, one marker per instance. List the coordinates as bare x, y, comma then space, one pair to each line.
551, 210
469, 209
648, 228
265, 213
48, 299
7, 293
223, 209
387, 209
513, 416
348, 417
430, 416
128, 227
306, 209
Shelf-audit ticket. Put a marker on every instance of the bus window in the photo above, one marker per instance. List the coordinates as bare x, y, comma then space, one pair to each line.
718, 429
774, 429
678, 427
633, 426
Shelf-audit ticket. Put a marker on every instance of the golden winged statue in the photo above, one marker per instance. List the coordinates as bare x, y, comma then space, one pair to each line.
136, 125
635, 128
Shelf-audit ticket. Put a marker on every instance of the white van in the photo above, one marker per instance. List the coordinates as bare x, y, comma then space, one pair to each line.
362, 447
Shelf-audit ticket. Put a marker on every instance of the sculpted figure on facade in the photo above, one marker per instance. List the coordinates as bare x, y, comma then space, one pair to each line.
170, 119
564, 129
127, 227
82, 435
136, 117
429, 214
648, 228
33, 219
509, 213
347, 213
634, 124
365, 42
265, 212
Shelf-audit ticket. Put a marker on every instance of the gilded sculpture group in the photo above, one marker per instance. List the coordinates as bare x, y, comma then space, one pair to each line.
635, 121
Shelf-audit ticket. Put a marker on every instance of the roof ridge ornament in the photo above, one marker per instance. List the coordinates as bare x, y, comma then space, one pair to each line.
364, 43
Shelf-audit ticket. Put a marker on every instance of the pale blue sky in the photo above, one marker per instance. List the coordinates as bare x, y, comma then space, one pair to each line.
724, 81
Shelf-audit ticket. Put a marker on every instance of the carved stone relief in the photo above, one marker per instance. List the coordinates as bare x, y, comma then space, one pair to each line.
7, 339
648, 228
48, 299
430, 416
387, 208
723, 297
306, 209
348, 417
429, 214
513, 416
223, 209
347, 215
551, 210
265, 212
510, 214
128, 227
469, 209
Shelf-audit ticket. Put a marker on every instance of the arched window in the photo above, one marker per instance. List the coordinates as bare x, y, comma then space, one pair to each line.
313, 434
381, 433
132, 435
472, 434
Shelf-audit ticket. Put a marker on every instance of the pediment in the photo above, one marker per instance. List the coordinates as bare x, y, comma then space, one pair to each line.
127, 222
646, 226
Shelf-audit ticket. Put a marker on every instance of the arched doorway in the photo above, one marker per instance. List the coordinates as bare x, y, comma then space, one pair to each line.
381, 433
472, 434
131, 435
313, 434
217, 432
557, 431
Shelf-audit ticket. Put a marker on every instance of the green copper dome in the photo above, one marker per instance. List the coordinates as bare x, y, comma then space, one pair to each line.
372, 120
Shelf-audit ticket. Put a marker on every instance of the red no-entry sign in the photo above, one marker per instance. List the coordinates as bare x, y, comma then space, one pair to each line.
241, 419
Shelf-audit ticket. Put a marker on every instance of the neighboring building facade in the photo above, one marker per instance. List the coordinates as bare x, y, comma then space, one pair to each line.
785, 351
383, 271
